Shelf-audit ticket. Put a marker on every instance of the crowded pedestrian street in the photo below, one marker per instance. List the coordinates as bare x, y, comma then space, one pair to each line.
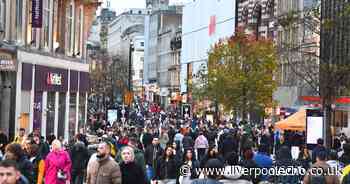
174, 92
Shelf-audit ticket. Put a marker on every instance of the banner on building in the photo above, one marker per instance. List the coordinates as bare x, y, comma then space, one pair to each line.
7, 62
37, 13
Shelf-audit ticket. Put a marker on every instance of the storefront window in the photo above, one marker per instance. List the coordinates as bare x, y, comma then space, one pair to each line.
72, 113
82, 110
50, 113
61, 114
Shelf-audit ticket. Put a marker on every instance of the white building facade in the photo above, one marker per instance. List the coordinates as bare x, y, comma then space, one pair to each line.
203, 24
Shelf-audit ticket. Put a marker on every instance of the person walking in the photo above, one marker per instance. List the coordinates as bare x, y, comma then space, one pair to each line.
201, 144
102, 168
166, 170
190, 161
132, 172
58, 165
15, 152
80, 156
152, 153
38, 164
325, 177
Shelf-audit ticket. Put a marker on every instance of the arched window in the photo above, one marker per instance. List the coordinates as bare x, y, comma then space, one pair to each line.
245, 14
270, 7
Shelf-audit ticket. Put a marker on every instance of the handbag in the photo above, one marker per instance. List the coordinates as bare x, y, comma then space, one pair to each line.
61, 175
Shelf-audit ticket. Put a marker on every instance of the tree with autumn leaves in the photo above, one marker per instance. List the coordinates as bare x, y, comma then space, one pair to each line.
240, 74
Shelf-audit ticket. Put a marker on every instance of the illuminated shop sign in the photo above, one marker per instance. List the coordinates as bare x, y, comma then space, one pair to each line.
54, 79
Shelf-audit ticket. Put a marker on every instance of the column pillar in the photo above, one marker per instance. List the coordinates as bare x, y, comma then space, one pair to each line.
31, 106
57, 96
44, 114
66, 119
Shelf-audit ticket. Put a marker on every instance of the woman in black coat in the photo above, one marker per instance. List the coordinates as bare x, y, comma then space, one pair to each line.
190, 161
167, 167
132, 173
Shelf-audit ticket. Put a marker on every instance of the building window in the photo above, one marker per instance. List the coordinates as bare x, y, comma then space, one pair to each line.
142, 59
50, 116
141, 74
245, 15
142, 44
70, 28
2, 18
79, 31
271, 8
47, 22
19, 22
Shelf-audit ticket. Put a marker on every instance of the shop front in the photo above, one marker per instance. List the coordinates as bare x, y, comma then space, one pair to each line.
52, 98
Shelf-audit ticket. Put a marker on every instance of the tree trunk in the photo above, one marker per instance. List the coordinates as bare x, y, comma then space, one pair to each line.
328, 122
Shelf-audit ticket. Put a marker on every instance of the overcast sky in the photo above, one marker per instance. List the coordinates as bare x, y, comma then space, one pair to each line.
123, 5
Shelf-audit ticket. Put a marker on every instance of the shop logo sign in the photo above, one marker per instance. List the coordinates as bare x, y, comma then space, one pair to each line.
54, 79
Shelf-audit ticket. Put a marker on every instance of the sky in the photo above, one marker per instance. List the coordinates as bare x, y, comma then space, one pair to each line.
121, 6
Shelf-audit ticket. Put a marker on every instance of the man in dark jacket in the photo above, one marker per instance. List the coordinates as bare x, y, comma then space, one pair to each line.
212, 164
187, 142
317, 149
152, 153
79, 156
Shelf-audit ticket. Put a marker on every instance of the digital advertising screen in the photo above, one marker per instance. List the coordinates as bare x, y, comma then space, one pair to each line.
112, 115
314, 126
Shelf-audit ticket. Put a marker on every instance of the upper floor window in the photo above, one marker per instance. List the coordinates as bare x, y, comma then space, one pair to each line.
19, 21
47, 23
70, 28
270, 6
245, 15
2, 18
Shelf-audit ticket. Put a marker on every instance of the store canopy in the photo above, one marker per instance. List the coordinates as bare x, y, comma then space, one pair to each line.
297, 122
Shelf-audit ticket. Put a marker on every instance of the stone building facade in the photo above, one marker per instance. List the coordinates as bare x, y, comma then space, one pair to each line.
44, 74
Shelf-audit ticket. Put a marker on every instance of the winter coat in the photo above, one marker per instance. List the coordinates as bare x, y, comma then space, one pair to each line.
104, 171
39, 169
26, 168
263, 161
139, 158
187, 142
166, 169
132, 173
80, 156
55, 161
149, 155
284, 160
201, 142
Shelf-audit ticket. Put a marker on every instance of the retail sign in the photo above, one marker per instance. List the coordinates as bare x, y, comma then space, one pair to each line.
54, 79
6, 62
37, 13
